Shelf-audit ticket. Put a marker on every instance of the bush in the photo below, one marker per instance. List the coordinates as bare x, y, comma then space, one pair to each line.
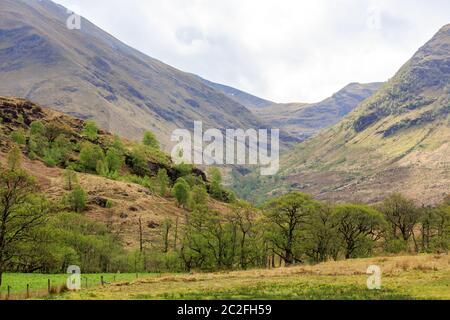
181, 192
150, 140
90, 130
90, 155
77, 199
19, 137
396, 246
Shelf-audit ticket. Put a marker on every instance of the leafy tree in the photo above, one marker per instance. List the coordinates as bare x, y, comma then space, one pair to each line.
118, 146
321, 241
37, 128
114, 160
21, 210
181, 192
14, 159
18, 136
77, 199
150, 140
166, 226
90, 130
139, 161
53, 131
216, 184
244, 217
162, 180
199, 195
70, 178
286, 217
357, 225
90, 154
102, 168
401, 214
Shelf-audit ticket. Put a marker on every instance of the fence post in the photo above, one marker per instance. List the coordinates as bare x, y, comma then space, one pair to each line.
49, 286
28, 291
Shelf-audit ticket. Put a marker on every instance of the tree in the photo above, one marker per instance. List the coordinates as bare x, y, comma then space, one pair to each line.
90, 130
14, 159
181, 192
77, 199
70, 178
139, 161
37, 128
244, 216
199, 195
356, 225
285, 217
150, 140
166, 226
401, 214
162, 179
114, 160
321, 239
18, 136
90, 154
21, 210
215, 188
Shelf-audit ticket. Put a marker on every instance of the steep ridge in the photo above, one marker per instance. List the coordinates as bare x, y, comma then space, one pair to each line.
89, 74
397, 140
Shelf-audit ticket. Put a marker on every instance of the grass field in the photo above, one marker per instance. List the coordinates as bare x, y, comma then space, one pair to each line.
409, 277
38, 283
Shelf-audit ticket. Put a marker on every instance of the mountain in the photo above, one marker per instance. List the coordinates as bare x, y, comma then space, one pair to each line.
89, 74
397, 140
303, 120
244, 98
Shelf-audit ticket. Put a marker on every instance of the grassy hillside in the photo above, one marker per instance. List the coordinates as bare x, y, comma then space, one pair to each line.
91, 75
397, 140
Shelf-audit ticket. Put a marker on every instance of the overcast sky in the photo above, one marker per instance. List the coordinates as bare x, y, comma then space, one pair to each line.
282, 50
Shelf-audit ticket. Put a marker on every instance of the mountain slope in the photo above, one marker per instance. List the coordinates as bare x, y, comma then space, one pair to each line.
303, 120
244, 98
89, 74
397, 140
131, 202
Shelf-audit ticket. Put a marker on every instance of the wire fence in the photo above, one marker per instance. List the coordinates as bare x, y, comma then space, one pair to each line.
57, 287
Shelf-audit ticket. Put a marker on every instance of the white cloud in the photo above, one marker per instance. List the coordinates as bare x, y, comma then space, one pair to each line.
283, 50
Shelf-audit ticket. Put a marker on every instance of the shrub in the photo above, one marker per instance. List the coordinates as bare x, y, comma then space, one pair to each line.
19, 137
90, 130
181, 192
90, 155
150, 140
77, 199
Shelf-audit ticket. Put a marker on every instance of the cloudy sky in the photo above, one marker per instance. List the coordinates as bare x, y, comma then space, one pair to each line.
282, 50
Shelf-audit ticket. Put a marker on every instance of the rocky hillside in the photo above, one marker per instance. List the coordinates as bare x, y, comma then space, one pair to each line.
119, 204
91, 75
397, 140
